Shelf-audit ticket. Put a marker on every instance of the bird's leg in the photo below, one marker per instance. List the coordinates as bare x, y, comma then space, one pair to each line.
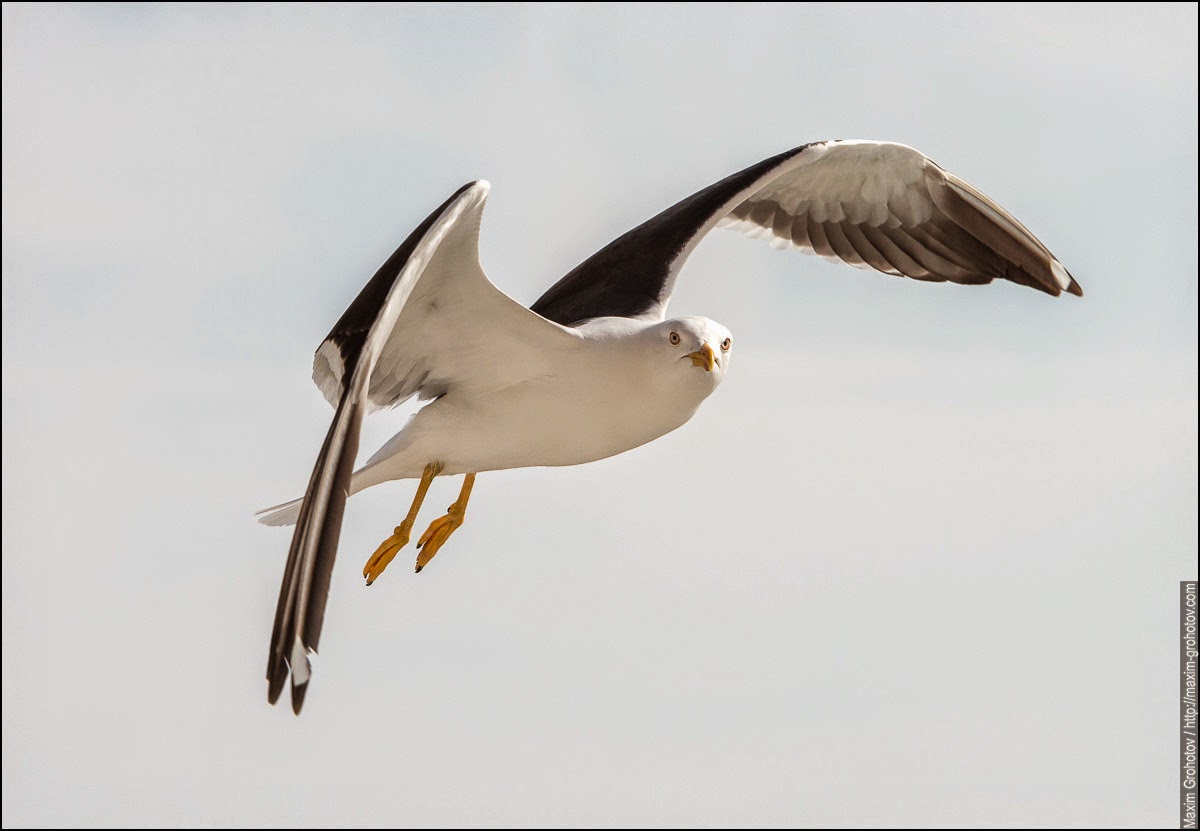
399, 538
441, 528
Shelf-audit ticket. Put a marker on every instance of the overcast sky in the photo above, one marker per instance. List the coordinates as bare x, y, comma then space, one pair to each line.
915, 563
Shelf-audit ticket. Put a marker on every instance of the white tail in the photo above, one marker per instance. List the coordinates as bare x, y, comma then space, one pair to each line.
285, 514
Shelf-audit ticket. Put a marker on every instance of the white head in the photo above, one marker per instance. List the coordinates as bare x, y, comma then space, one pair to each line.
696, 349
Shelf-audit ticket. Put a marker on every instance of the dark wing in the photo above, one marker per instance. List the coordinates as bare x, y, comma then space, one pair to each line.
870, 204
428, 321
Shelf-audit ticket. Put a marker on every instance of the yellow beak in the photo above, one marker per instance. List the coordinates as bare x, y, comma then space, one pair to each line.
704, 357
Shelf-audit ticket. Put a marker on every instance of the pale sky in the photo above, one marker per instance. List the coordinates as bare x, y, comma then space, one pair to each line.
915, 563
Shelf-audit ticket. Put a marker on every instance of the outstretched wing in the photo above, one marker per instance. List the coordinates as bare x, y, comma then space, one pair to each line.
428, 321
451, 329
870, 204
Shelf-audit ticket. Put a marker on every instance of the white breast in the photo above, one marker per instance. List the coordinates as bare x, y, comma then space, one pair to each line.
606, 397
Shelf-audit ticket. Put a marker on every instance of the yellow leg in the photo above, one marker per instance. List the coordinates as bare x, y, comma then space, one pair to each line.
441, 528
392, 545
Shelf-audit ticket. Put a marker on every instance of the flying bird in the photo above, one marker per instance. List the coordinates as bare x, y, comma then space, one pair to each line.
594, 367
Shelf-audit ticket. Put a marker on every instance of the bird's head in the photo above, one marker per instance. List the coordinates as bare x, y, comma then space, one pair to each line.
698, 348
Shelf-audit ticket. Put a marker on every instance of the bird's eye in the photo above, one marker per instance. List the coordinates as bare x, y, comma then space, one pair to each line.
674, 339
725, 344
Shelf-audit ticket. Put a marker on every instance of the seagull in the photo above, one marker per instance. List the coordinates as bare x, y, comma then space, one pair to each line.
594, 367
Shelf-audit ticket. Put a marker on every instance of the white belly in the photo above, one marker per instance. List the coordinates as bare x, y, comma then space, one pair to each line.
521, 428
569, 419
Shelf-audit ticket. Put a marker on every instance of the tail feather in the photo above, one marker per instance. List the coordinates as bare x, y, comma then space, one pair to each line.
278, 515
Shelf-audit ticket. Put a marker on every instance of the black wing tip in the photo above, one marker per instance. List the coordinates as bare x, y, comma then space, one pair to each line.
298, 693
275, 681
1060, 272
275, 689
1052, 289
